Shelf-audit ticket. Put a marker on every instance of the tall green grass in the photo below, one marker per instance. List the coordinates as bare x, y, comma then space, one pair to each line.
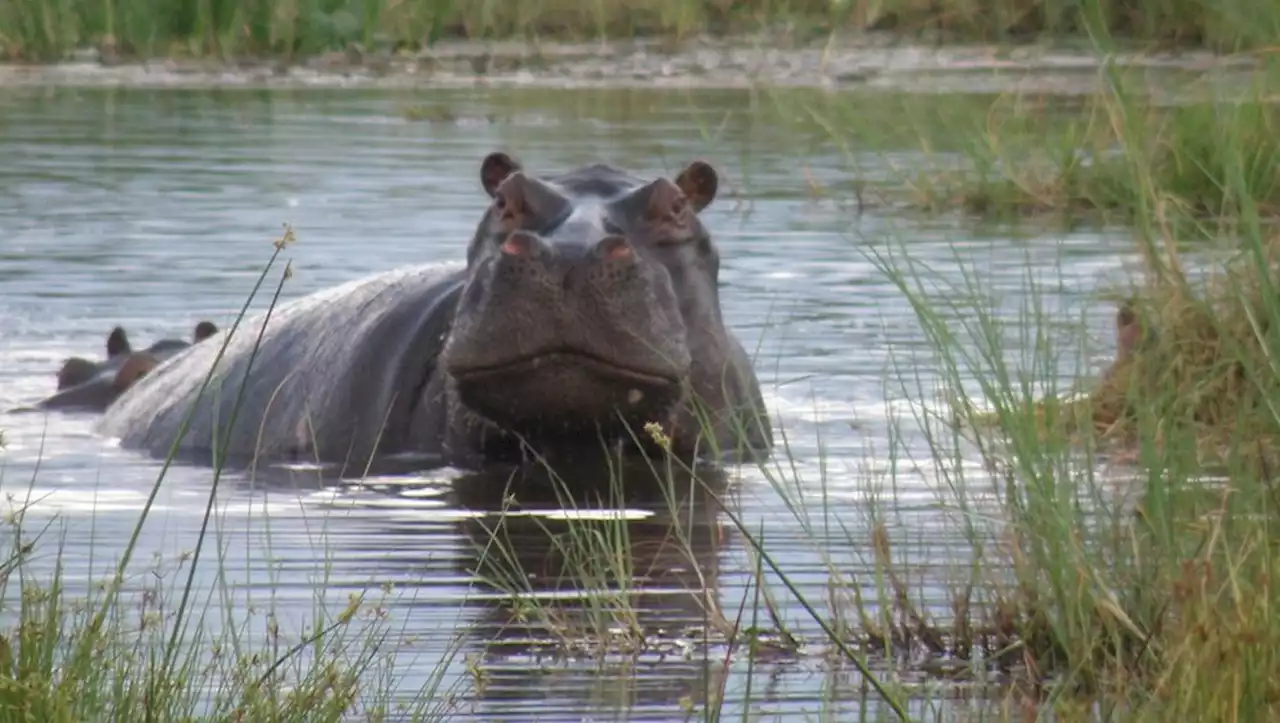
48, 30
1129, 565
1185, 165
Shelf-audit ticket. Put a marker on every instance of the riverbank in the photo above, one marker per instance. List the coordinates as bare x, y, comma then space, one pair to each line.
43, 31
836, 62
1145, 597
988, 107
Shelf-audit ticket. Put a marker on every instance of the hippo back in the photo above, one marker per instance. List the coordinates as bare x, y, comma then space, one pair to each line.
355, 356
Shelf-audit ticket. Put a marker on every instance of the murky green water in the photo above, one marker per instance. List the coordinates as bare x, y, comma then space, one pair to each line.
154, 209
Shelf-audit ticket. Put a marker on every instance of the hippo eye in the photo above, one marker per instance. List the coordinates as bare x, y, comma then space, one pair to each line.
502, 203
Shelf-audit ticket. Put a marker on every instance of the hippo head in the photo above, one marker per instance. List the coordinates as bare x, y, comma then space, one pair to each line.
1134, 332
1128, 332
78, 370
75, 370
589, 298
134, 368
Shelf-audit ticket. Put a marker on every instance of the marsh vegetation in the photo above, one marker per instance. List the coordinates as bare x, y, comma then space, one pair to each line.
1116, 533
230, 29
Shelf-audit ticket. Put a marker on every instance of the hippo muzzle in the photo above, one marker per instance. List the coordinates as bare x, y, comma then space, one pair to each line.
568, 327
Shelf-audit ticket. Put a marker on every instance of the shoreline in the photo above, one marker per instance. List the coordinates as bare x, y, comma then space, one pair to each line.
862, 62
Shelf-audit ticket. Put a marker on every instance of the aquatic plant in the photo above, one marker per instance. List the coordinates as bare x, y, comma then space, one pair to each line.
1123, 155
1134, 519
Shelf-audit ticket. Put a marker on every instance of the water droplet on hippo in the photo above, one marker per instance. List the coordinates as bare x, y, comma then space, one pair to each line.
634, 396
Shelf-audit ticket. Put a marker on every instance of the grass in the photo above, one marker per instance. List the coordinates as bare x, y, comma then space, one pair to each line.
1145, 596
40, 30
1116, 157
1201, 369
139, 647
1117, 558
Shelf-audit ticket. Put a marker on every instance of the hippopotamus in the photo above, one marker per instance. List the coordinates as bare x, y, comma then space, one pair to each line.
85, 385
1132, 337
78, 370
168, 347
587, 310
1128, 333
97, 393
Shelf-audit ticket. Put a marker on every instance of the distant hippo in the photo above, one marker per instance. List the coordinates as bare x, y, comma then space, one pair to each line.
168, 347
92, 386
78, 370
1133, 336
588, 307
97, 393
1128, 333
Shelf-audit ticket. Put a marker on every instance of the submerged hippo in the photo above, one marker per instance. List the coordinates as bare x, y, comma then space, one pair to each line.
168, 347
97, 393
588, 307
78, 370
85, 385
1128, 333
1132, 336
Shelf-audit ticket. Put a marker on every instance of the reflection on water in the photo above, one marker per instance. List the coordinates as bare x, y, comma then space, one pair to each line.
153, 209
590, 592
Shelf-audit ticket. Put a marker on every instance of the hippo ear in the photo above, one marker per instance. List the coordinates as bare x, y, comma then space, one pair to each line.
699, 183
204, 330
1129, 331
118, 342
495, 169
1126, 315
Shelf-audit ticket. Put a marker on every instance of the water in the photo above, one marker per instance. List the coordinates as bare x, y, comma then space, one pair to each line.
154, 209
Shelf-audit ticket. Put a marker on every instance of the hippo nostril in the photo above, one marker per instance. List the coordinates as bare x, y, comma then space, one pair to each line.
614, 248
518, 244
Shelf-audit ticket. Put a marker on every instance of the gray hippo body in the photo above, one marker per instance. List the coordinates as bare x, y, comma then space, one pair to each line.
587, 309
337, 373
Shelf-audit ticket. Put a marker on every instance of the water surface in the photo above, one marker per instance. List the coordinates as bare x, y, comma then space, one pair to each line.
154, 209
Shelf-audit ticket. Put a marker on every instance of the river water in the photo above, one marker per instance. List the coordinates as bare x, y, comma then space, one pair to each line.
154, 209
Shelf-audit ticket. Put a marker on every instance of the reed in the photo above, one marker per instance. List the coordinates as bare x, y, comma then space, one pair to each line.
50, 29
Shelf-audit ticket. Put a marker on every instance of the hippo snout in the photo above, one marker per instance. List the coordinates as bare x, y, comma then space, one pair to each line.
570, 330
525, 247
602, 262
